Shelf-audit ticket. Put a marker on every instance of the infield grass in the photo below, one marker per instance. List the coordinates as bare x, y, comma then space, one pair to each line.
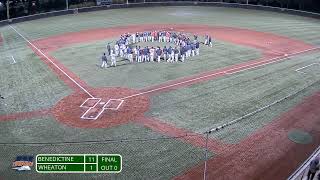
84, 60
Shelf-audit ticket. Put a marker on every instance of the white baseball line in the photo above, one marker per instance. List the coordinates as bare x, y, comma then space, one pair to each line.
298, 70
269, 61
105, 106
14, 61
172, 85
93, 118
101, 110
82, 105
52, 62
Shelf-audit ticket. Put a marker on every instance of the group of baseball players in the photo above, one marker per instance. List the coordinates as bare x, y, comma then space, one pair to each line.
183, 49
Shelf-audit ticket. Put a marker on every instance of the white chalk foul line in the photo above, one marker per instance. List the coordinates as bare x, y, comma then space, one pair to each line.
51, 61
265, 62
172, 85
269, 61
298, 70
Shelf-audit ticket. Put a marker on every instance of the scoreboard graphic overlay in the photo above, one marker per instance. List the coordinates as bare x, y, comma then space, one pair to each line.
78, 163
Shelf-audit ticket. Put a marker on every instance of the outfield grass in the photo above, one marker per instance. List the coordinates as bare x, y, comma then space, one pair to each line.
296, 27
82, 59
142, 159
28, 84
213, 103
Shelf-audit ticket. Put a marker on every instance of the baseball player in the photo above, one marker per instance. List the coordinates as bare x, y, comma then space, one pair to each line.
172, 55
149, 36
129, 52
122, 47
126, 41
125, 52
206, 39
189, 50
140, 58
168, 37
164, 36
193, 49
210, 41
153, 35
116, 49
104, 61
141, 37
158, 51
135, 53
197, 48
182, 52
160, 36
113, 58
152, 52
133, 36
169, 54
148, 53
145, 54
186, 48
137, 37
165, 52
195, 38
173, 38
108, 48
176, 54
145, 36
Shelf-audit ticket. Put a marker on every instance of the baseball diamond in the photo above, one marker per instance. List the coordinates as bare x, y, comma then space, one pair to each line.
180, 92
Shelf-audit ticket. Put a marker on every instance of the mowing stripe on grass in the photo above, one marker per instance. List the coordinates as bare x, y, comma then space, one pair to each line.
266, 62
269, 61
51, 61
259, 110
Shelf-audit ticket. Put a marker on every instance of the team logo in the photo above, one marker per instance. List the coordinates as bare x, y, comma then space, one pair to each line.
23, 163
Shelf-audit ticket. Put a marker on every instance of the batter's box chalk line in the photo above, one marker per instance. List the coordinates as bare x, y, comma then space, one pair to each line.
109, 104
86, 103
96, 107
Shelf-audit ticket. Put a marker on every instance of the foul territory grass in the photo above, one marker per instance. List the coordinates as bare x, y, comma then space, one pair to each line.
159, 157
84, 60
26, 82
210, 104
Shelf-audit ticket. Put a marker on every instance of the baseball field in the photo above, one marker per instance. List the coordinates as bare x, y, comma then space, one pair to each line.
257, 91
